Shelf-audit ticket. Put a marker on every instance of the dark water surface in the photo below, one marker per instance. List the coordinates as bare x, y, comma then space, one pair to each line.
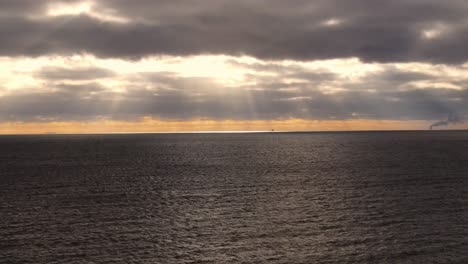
381, 197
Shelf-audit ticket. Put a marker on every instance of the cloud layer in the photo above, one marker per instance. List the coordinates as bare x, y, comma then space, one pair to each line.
382, 31
338, 90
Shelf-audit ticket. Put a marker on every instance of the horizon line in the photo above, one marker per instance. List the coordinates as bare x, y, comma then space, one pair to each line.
227, 132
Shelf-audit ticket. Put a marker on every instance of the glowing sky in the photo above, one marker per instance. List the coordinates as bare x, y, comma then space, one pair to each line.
151, 65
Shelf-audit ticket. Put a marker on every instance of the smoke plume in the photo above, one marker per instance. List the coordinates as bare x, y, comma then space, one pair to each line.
452, 119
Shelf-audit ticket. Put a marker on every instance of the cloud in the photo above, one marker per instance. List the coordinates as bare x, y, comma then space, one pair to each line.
12, 8
390, 31
318, 95
84, 73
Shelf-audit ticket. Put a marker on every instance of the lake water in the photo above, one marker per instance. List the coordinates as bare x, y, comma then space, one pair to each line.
368, 197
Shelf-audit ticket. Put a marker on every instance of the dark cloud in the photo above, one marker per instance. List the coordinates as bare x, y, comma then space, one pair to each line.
396, 76
84, 73
21, 7
383, 31
390, 78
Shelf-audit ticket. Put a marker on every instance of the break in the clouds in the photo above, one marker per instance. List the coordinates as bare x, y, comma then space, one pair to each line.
250, 89
74, 60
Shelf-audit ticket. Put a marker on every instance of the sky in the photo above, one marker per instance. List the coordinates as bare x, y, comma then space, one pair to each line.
75, 66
